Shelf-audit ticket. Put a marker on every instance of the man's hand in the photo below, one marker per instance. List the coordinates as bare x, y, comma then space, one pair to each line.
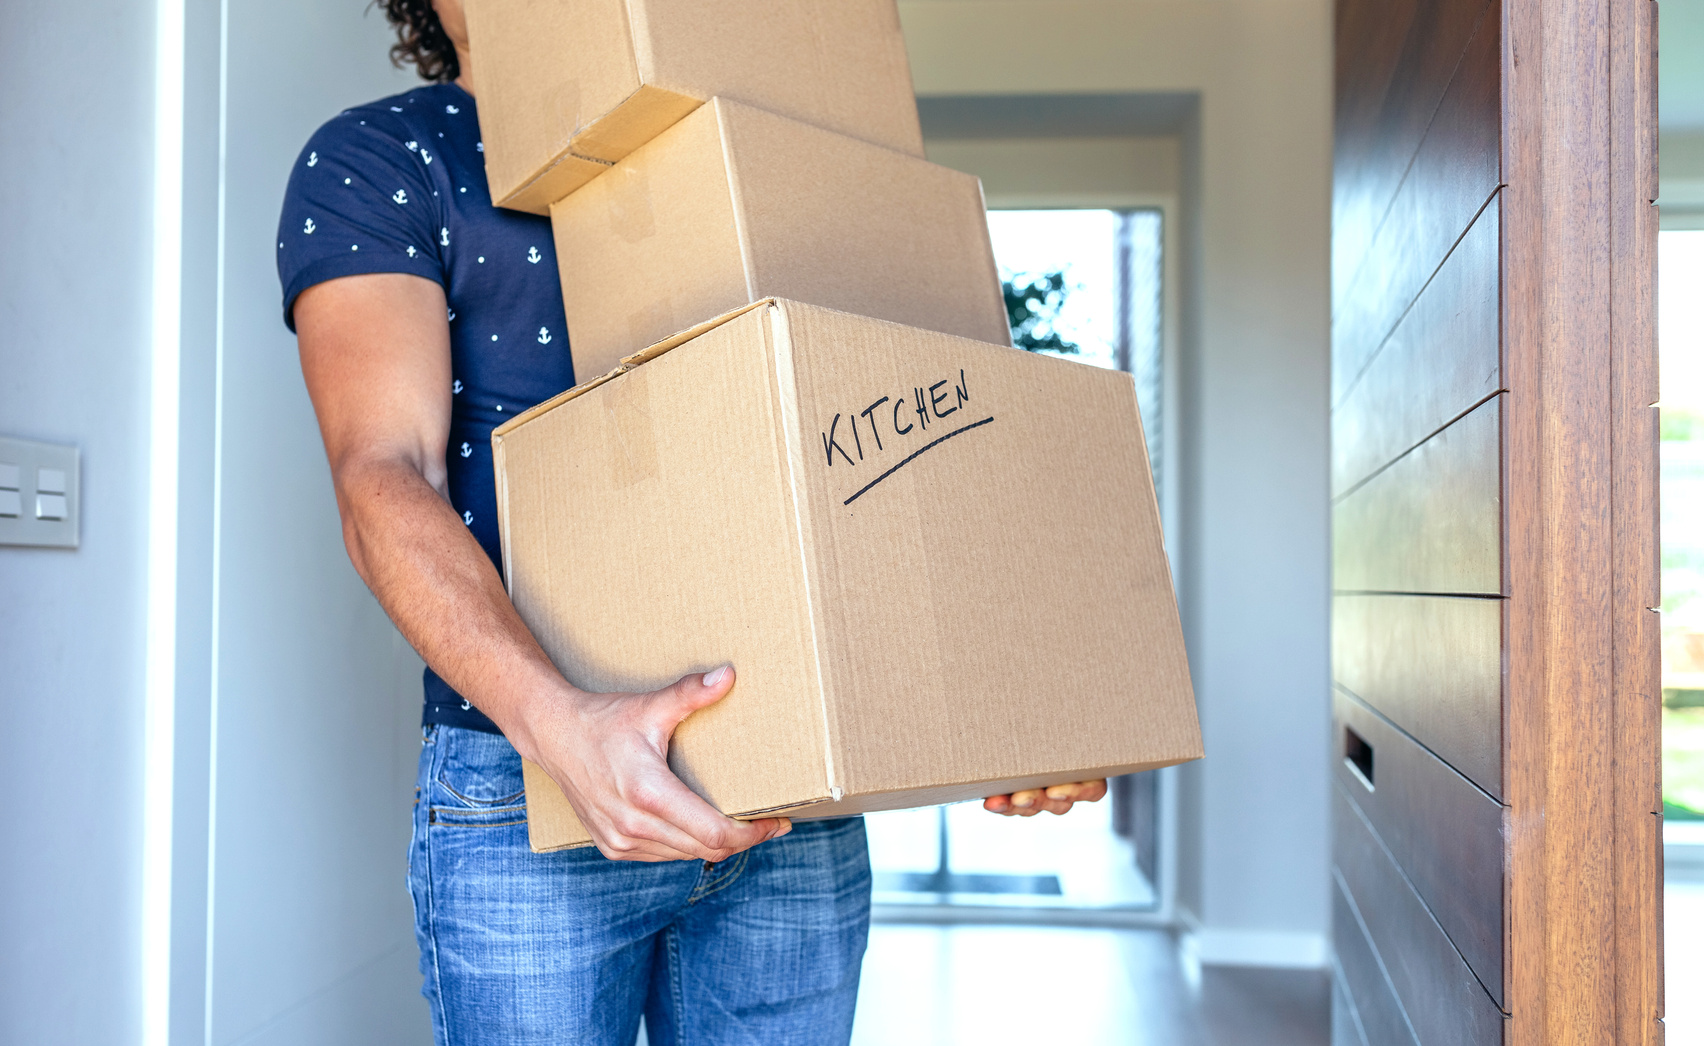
1057, 799
609, 754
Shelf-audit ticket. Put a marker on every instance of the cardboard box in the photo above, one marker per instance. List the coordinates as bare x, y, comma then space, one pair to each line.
734, 204
935, 563
567, 87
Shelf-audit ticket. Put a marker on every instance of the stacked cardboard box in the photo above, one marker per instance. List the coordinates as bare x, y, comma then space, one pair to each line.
802, 442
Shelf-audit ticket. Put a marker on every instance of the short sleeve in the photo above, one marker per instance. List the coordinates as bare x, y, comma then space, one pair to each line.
359, 201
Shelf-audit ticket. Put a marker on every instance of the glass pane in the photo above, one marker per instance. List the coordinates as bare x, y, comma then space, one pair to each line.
1083, 285
1680, 334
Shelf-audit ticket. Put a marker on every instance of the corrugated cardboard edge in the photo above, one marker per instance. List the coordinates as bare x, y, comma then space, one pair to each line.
741, 222
780, 344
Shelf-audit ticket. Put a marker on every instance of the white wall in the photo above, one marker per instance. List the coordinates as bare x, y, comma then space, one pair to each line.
1255, 577
318, 700
296, 704
74, 247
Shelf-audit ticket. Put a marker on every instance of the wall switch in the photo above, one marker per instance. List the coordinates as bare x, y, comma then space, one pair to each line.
40, 503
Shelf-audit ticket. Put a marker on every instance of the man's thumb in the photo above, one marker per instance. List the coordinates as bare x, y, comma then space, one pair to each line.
693, 692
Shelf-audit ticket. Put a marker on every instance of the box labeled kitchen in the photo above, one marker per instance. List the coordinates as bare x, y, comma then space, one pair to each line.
935, 563
567, 87
733, 204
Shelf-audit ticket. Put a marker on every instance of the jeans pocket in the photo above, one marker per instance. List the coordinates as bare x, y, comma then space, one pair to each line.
477, 772
483, 817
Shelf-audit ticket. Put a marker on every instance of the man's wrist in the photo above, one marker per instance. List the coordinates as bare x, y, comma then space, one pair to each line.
530, 713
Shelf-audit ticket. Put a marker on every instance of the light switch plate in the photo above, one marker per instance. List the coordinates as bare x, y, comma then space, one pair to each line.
40, 466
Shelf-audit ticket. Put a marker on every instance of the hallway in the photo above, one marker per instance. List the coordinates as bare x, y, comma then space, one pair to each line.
999, 985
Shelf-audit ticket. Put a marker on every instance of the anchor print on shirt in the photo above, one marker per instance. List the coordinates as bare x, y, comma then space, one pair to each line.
452, 110
399, 197
411, 251
308, 227
467, 450
412, 147
424, 155
444, 236
467, 517
313, 158
456, 387
533, 255
544, 335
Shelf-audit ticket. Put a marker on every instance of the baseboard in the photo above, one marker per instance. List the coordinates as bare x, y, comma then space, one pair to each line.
1293, 951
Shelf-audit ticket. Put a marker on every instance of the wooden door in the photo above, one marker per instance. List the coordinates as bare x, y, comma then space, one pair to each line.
1496, 811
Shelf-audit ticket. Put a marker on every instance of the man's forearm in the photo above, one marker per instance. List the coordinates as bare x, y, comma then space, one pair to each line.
439, 587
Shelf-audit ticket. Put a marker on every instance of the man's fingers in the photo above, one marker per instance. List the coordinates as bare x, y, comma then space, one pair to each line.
1079, 792
685, 821
1055, 799
1026, 799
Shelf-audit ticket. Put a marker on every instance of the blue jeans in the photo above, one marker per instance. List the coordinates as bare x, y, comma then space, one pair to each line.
570, 948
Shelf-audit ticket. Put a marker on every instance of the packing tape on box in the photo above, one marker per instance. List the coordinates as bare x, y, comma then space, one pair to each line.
629, 432
630, 214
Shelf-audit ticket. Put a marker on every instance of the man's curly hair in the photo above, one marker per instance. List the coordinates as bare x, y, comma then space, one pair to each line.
420, 39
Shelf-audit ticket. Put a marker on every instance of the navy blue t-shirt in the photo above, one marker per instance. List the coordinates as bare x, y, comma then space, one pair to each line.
399, 186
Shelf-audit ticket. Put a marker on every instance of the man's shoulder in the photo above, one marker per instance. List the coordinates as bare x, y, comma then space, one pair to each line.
401, 117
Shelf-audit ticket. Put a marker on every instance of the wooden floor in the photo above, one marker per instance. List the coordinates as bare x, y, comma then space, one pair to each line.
992, 986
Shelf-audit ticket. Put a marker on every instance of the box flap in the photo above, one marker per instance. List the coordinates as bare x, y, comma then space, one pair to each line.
627, 363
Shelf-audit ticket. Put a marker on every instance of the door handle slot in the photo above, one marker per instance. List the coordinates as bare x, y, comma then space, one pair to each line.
1359, 755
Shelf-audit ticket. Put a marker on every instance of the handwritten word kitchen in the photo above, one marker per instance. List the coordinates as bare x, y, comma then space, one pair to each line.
897, 424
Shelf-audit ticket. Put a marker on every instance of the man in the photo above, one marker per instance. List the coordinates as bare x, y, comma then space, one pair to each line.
425, 318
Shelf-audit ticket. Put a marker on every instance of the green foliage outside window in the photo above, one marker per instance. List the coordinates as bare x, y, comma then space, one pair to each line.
1032, 308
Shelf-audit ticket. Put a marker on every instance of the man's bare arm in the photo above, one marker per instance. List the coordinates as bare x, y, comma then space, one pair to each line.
376, 356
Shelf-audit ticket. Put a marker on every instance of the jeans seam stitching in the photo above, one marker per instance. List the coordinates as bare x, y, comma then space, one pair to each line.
477, 824
677, 992
721, 882
483, 804
432, 918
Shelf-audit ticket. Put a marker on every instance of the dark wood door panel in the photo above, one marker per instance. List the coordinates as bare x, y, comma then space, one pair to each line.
1445, 1003
1394, 62
1432, 521
1345, 1022
1444, 832
1453, 176
1374, 1016
1432, 665
1441, 360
